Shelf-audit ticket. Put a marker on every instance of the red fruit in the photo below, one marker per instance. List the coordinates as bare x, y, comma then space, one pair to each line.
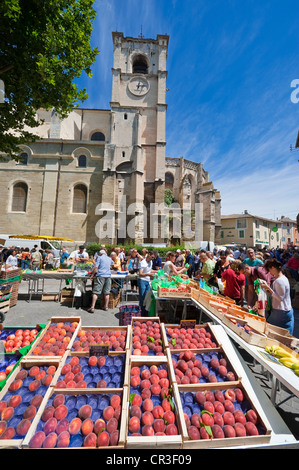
240, 430
193, 433
200, 397
37, 440
207, 419
23, 427
217, 431
171, 430
251, 416
239, 417
7, 413
229, 431
85, 412
103, 439
251, 429
229, 394
239, 395
90, 440
92, 361
134, 424
148, 430
209, 406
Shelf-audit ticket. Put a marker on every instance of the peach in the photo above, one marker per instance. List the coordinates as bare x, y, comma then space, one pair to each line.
15, 385
239, 417
169, 417
51, 370
218, 406
7, 413
3, 405
48, 413
217, 431
154, 379
50, 441
222, 371
147, 418
135, 381
185, 380
205, 372
158, 412
146, 393
114, 436
239, 395
228, 418
87, 426
145, 384
148, 430
219, 396
154, 369
117, 412
50, 425
218, 419
207, 419
147, 405
92, 361
23, 427
208, 406
60, 412
135, 411
112, 425
214, 363
78, 377
240, 429
229, 406
62, 426
229, 431
37, 440
212, 378
204, 433
155, 389
251, 429
251, 416
101, 361
230, 376
115, 401
135, 371
76, 369
63, 439
99, 426
75, 426
40, 375
47, 379
171, 430
159, 426
9, 433
103, 439
195, 420
34, 385
33, 371
108, 412
166, 404
3, 426
193, 433
134, 424
14, 401
145, 374
102, 384
69, 376
65, 369
137, 400
200, 398
58, 400
90, 440
22, 374
30, 412
85, 412
164, 382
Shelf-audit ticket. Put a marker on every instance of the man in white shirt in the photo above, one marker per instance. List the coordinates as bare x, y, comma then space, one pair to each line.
145, 273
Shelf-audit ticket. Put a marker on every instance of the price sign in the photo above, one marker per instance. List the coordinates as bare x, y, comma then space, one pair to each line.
187, 324
98, 350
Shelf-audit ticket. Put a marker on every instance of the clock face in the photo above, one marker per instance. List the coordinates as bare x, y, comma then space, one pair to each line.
138, 86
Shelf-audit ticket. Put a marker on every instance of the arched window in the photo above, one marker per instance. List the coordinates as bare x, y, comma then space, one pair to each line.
169, 180
80, 199
140, 64
19, 197
98, 136
23, 159
82, 161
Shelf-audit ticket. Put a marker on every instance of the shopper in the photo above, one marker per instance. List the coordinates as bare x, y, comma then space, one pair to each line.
157, 261
235, 281
170, 268
36, 259
12, 259
281, 314
63, 257
145, 275
101, 275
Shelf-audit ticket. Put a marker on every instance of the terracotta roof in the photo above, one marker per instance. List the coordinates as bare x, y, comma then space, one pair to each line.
243, 216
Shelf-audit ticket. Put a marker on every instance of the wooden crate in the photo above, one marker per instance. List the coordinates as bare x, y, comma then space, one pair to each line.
208, 326
150, 355
225, 442
89, 394
67, 357
49, 297
154, 442
11, 273
254, 337
23, 364
122, 329
4, 306
173, 294
67, 295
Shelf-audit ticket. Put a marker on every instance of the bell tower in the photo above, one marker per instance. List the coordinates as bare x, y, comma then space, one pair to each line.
134, 160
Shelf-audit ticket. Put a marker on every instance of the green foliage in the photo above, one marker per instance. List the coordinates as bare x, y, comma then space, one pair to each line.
44, 46
92, 248
169, 197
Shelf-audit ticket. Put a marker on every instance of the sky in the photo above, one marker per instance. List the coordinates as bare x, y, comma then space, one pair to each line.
233, 99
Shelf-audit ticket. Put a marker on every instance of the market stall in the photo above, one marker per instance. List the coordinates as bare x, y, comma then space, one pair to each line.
79, 386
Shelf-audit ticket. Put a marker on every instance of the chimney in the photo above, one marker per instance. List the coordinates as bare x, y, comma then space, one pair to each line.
246, 212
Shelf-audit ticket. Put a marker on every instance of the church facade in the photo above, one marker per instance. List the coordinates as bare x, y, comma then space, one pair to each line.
102, 174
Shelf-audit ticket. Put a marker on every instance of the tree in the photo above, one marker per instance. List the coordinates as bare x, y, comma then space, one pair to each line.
44, 46
169, 197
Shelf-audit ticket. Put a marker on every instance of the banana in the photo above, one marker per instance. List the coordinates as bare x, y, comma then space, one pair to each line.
286, 362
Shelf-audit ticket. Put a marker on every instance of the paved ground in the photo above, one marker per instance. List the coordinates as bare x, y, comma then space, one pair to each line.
31, 313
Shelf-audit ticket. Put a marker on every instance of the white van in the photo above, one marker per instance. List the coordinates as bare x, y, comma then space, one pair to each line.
29, 243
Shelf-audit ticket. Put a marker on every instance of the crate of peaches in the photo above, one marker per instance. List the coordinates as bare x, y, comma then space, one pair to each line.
79, 420
197, 337
57, 337
92, 372
22, 397
221, 416
147, 337
117, 338
153, 419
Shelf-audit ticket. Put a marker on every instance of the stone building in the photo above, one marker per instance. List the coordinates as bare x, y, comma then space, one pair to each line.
97, 174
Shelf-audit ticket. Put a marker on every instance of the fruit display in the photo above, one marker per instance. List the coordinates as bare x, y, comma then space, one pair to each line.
190, 338
198, 368
152, 407
115, 338
92, 372
285, 358
17, 338
82, 420
220, 414
147, 339
56, 339
22, 400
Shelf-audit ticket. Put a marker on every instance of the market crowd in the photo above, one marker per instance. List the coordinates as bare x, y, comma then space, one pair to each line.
233, 273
